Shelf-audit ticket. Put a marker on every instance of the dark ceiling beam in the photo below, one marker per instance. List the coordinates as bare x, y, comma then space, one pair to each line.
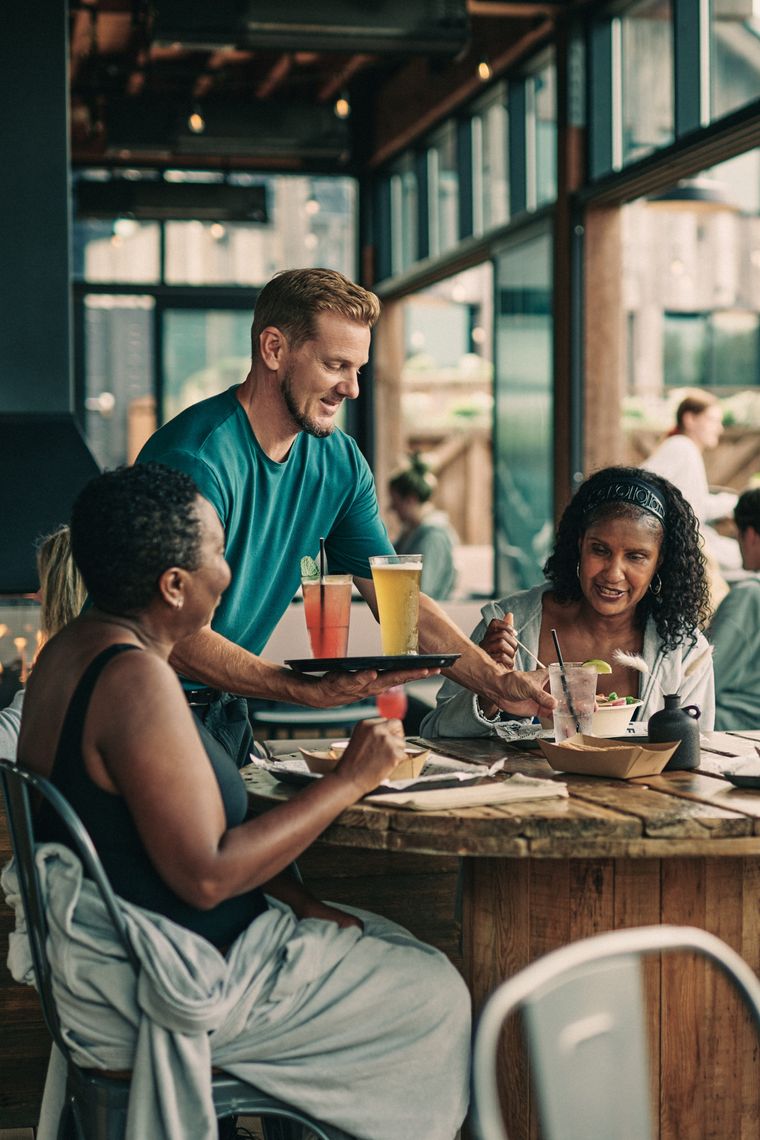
412, 102
338, 81
275, 77
514, 9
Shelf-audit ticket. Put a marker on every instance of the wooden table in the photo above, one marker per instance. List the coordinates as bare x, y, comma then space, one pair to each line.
683, 847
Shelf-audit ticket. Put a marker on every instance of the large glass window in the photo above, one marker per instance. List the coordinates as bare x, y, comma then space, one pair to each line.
647, 102
444, 190
691, 289
490, 163
121, 250
434, 395
524, 441
136, 346
120, 407
712, 350
541, 164
205, 351
403, 188
734, 54
310, 222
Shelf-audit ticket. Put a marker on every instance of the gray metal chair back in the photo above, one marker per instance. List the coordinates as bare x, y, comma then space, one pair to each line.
96, 1105
584, 1022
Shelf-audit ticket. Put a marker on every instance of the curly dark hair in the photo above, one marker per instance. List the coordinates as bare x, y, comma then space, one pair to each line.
747, 510
127, 527
683, 604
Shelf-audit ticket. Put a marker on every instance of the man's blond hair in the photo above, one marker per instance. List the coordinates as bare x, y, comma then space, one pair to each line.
294, 298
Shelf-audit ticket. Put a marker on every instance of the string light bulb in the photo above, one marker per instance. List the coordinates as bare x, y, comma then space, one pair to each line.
342, 106
196, 121
484, 70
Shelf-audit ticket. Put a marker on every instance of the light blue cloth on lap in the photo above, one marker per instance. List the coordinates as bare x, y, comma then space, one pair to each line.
368, 1032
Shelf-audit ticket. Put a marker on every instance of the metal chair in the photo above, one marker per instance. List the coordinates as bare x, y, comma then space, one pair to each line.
96, 1105
584, 1021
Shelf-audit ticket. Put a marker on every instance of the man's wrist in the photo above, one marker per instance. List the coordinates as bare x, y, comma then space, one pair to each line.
482, 714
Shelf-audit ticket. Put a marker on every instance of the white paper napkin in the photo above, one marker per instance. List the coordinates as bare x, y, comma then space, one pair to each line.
511, 790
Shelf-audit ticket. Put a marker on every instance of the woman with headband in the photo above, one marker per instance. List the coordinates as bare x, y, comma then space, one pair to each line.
626, 573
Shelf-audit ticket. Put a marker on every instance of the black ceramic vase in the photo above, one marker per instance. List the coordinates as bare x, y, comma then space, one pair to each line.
676, 723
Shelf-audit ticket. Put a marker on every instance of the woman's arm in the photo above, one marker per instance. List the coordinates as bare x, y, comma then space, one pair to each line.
141, 741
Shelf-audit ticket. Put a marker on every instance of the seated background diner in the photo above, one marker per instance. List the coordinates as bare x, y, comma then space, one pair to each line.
735, 629
425, 529
680, 459
344, 1013
626, 573
61, 595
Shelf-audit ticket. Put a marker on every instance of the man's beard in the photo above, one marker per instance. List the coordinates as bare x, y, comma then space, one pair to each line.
304, 422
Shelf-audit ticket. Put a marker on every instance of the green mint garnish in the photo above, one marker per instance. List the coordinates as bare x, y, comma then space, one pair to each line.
309, 568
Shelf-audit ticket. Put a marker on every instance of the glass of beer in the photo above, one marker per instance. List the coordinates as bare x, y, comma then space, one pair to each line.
397, 586
327, 605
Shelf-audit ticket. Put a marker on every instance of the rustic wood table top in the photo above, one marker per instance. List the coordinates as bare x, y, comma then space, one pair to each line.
677, 813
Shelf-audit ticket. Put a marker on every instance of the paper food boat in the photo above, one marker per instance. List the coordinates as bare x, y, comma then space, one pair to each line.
598, 756
323, 762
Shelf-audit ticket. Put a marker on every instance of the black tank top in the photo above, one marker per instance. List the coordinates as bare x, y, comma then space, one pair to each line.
116, 839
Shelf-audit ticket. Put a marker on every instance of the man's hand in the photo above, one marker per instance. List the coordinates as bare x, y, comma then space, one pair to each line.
341, 688
522, 693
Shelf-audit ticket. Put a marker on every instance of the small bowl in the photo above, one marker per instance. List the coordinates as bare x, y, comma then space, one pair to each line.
613, 720
407, 769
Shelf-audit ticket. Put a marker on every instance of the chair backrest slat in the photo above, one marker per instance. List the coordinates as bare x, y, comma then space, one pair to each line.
17, 784
583, 1010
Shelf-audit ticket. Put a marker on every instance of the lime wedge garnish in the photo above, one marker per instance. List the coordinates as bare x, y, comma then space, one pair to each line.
309, 568
600, 666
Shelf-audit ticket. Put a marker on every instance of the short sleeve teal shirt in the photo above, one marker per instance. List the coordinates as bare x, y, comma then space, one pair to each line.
272, 513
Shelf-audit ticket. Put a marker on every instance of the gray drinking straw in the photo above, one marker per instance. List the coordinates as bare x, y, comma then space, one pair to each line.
563, 678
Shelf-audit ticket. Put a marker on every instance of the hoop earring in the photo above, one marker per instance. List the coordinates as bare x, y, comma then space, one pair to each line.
578, 571
655, 585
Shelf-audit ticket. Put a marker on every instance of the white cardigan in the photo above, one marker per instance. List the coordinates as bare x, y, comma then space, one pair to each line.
456, 712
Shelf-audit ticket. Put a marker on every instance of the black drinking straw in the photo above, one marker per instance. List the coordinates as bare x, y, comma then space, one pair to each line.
563, 678
322, 589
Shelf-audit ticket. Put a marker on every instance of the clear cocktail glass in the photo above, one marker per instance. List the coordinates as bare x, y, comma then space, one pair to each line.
397, 587
327, 606
574, 687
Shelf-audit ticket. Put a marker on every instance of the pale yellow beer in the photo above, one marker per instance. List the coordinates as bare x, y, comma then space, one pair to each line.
397, 586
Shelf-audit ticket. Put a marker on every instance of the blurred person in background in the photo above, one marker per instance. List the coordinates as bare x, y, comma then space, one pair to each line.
680, 459
735, 629
425, 529
61, 596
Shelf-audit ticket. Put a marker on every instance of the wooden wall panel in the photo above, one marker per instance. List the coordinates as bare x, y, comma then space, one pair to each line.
604, 344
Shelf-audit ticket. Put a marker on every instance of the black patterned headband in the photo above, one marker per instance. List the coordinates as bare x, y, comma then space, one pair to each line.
638, 492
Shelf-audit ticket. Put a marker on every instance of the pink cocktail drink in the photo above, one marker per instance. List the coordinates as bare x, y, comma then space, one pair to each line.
393, 702
327, 605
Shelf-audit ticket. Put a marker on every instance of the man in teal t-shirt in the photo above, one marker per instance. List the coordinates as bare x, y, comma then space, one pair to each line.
272, 512
269, 459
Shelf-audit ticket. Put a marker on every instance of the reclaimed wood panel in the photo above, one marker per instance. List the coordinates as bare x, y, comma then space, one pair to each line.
638, 903
496, 933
